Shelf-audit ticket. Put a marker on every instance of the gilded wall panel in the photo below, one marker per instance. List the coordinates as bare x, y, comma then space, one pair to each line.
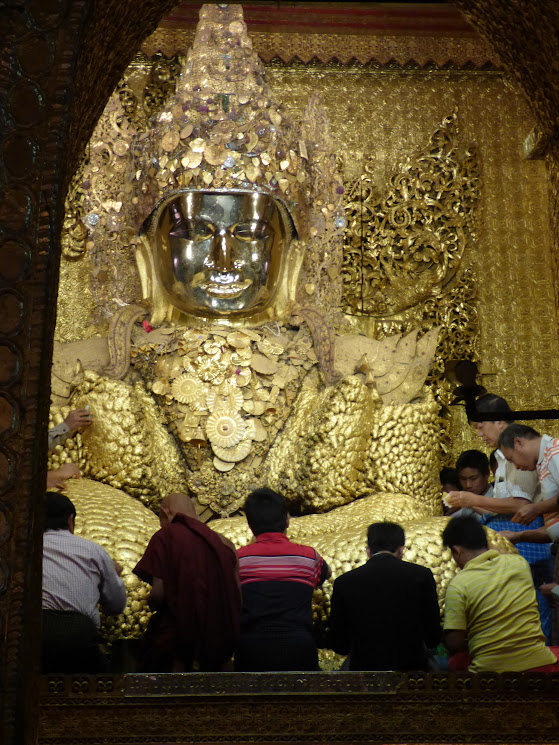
387, 115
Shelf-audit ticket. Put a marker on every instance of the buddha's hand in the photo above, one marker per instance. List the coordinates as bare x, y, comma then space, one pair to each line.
56, 480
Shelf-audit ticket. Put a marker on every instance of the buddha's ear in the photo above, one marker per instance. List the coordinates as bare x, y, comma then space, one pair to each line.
151, 289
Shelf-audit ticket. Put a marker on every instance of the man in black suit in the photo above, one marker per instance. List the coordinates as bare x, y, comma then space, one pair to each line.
385, 614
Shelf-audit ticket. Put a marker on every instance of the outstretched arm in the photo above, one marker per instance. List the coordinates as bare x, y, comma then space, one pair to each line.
492, 504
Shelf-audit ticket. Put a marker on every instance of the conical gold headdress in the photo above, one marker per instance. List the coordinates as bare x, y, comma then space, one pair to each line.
222, 129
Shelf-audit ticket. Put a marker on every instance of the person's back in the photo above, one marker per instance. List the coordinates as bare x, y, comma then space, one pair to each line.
491, 603
277, 581
385, 613
193, 573
78, 574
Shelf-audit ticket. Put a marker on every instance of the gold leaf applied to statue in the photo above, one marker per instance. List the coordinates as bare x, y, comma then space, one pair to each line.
246, 372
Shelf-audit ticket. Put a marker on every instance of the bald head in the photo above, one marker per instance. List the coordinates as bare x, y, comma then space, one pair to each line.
174, 504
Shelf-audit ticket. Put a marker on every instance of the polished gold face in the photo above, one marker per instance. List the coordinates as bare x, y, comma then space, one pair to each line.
220, 253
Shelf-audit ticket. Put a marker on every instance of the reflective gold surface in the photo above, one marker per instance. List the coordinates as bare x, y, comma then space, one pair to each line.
219, 254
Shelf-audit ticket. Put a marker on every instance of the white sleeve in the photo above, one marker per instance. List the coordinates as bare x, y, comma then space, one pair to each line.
58, 435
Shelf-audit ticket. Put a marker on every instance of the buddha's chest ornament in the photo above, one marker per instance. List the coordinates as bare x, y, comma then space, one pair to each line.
226, 395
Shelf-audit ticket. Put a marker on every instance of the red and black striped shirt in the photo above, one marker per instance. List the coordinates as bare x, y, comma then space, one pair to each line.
278, 578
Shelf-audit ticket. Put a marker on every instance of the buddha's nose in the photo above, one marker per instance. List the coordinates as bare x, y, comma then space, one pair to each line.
221, 252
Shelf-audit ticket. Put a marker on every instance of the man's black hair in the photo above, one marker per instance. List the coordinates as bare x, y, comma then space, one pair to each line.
449, 476
509, 435
473, 459
58, 509
465, 532
266, 511
490, 403
385, 537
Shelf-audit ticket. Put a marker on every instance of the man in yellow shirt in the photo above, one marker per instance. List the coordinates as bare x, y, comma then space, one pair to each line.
490, 606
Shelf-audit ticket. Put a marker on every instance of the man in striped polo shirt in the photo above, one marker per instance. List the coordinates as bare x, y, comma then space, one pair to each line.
278, 579
527, 450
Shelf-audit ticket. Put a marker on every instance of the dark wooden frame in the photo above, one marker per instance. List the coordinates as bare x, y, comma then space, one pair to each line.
310, 708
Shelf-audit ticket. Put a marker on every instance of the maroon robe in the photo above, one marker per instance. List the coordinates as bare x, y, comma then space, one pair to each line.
199, 619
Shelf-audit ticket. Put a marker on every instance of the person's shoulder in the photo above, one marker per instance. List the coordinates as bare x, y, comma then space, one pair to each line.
355, 575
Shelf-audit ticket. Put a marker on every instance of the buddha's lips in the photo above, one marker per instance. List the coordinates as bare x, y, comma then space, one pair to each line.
224, 286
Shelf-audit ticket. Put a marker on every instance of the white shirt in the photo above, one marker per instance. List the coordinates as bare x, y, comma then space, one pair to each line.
510, 482
78, 574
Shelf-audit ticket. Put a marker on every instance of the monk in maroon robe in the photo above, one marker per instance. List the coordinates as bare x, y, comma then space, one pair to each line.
194, 577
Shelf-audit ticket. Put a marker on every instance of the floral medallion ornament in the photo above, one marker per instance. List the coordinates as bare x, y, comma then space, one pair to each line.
188, 390
225, 428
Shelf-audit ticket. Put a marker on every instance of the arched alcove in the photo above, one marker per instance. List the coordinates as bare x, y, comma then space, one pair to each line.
60, 61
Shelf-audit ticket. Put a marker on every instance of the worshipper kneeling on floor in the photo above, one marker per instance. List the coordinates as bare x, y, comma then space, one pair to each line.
278, 578
193, 573
513, 492
77, 576
491, 619
385, 614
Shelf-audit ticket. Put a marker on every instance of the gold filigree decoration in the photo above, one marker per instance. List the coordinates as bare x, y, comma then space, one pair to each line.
407, 253
407, 246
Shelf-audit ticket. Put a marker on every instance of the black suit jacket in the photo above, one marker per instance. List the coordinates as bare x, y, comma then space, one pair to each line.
384, 614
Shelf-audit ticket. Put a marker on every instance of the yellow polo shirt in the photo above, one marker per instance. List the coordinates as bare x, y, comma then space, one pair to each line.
494, 601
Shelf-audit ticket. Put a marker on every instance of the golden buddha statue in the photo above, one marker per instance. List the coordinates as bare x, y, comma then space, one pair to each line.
246, 372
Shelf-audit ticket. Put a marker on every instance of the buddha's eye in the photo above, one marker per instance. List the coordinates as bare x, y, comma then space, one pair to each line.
257, 230
192, 229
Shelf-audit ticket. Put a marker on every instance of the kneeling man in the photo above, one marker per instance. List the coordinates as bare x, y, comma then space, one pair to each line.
77, 576
195, 592
385, 613
278, 579
490, 606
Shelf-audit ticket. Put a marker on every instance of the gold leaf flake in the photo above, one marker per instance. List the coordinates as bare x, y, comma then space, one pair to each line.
221, 465
197, 145
263, 365
170, 140
238, 339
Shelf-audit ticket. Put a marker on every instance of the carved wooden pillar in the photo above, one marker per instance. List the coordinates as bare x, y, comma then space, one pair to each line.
49, 49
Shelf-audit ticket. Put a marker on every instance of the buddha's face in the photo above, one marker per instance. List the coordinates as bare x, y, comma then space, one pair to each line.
220, 253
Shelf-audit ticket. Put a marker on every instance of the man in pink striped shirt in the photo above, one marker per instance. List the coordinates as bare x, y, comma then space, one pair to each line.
278, 579
78, 575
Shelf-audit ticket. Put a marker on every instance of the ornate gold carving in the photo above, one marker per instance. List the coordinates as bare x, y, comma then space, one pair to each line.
408, 246
308, 48
407, 255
